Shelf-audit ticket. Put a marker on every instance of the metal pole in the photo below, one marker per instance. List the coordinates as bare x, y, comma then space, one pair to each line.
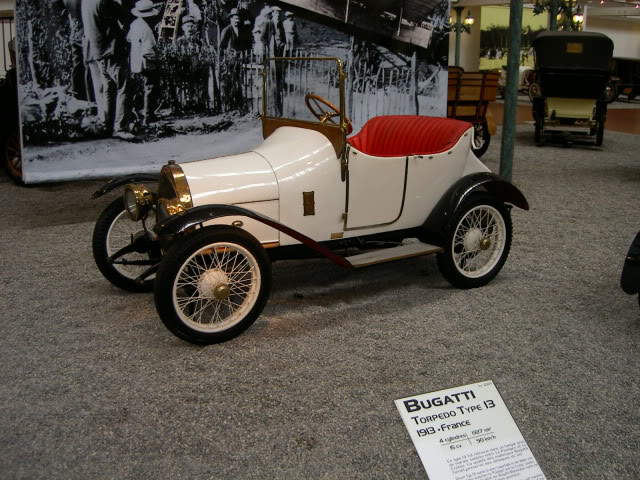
511, 93
458, 27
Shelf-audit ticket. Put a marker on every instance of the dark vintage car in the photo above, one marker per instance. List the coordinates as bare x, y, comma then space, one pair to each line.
572, 70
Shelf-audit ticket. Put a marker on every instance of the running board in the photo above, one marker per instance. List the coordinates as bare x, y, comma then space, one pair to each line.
390, 254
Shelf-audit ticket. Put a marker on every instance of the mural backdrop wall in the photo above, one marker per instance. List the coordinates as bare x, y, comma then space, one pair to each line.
494, 36
116, 86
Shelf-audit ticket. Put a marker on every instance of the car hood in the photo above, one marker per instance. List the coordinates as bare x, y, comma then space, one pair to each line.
233, 179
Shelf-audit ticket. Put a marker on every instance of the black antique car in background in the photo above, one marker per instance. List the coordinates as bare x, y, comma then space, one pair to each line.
572, 71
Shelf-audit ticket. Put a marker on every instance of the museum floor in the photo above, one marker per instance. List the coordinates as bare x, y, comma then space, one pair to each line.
94, 386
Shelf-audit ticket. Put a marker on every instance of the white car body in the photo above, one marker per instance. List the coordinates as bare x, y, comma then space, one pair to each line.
204, 238
384, 193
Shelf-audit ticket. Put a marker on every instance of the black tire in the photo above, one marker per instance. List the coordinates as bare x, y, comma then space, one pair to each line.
600, 134
481, 139
534, 91
12, 158
186, 272
601, 118
537, 134
475, 258
109, 235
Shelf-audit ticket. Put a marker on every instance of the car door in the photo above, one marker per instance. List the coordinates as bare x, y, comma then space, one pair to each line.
376, 189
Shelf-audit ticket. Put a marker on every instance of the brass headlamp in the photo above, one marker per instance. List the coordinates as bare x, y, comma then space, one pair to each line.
137, 201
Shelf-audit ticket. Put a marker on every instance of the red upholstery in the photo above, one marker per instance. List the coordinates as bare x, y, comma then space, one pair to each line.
402, 135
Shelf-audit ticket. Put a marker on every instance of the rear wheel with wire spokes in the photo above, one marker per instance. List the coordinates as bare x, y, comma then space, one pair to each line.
213, 285
478, 242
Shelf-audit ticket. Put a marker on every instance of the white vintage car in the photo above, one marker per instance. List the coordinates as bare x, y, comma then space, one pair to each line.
205, 236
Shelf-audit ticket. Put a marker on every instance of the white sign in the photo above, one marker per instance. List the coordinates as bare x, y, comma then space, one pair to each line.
467, 433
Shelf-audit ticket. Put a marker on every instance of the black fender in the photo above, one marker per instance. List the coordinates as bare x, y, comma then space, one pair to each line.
437, 223
125, 180
630, 278
180, 222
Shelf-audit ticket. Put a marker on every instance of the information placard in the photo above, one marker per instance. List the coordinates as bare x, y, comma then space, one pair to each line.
467, 433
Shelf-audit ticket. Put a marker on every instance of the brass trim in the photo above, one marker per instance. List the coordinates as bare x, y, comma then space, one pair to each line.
404, 194
237, 223
270, 244
183, 200
308, 203
143, 201
337, 235
221, 292
182, 186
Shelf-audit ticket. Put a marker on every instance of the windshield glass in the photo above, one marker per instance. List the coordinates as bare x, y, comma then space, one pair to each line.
305, 89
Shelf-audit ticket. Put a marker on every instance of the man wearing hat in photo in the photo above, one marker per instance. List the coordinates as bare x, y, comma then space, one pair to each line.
276, 46
189, 29
236, 36
263, 29
106, 45
143, 55
290, 33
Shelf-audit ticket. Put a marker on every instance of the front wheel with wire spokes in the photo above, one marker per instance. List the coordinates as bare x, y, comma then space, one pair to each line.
478, 242
213, 285
115, 232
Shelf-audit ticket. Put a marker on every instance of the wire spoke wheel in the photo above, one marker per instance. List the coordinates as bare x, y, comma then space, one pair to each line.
121, 233
481, 139
479, 242
216, 287
114, 230
212, 285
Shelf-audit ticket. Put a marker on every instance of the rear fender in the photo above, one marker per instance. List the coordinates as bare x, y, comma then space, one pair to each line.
438, 221
177, 224
125, 180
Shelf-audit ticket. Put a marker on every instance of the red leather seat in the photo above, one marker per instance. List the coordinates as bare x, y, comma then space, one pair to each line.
402, 135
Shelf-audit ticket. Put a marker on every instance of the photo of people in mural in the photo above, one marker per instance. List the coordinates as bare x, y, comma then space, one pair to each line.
116, 86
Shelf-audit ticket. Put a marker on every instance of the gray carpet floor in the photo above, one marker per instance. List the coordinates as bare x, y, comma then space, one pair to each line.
94, 386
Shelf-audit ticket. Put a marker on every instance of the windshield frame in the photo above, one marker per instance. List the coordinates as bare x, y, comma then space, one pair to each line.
336, 133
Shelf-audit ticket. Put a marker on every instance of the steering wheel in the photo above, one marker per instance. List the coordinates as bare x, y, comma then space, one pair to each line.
318, 107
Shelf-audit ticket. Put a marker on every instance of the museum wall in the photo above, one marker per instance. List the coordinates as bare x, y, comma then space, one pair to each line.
470, 42
624, 33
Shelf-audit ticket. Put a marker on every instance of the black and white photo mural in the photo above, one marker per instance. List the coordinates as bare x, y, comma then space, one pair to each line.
109, 87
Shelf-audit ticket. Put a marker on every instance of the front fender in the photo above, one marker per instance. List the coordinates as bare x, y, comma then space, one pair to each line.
125, 180
438, 220
177, 224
